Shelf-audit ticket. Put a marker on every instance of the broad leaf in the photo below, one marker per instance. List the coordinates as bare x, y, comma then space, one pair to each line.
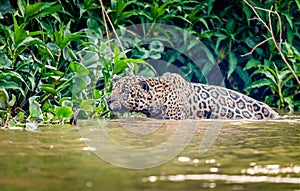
3, 98
4, 75
5, 63
252, 63
80, 69
63, 112
35, 110
11, 85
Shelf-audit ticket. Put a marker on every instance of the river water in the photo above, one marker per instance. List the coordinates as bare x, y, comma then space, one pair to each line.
141, 154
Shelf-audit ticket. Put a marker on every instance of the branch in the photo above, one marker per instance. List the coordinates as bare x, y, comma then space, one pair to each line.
105, 15
259, 44
270, 29
270, 24
104, 20
259, 18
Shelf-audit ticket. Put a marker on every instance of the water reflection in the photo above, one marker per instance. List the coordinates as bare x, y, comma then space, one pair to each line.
223, 177
246, 155
271, 169
263, 174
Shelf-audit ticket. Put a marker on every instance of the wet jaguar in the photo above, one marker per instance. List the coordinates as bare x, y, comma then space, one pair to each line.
172, 97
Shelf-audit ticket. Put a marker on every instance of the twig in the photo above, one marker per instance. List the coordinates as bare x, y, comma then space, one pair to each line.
260, 19
270, 23
270, 29
262, 42
104, 20
104, 14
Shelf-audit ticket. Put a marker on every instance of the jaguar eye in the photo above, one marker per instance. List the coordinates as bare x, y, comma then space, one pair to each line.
145, 86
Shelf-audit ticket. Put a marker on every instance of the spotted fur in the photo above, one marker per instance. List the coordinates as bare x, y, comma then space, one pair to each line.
171, 97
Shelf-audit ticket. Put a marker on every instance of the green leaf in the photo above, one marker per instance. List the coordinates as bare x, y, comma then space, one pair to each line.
119, 67
290, 101
89, 58
93, 25
36, 33
67, 103
230, 25
271, 74
290, 35
5, 63
139, 61
11, 85
80, 69
243, 75
87, 105
33, 9
210, 6
268, 72
288, 78
4, 75
248, 12
63, 112
12, 101
252, 63
283, 74
47, 27
203, 21
250, 42
63, 37
49, 88
288, 18
3, 98
67, 39
117, 53
19, 33
48, 9
46, 105
298, 3
21, 6
232, 63
220, 38
61, 100
28, 41
40, 9
78, 85
35, 110
261, 83
292, 52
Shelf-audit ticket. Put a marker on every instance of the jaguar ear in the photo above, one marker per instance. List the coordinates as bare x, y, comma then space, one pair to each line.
144, 86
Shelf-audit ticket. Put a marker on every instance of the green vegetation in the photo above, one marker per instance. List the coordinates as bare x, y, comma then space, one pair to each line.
54, 53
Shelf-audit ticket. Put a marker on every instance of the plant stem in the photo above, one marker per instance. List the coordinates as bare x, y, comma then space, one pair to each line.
270, 29
259, 44
104, 13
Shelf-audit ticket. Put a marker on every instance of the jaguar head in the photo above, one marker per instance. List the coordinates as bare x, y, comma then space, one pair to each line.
137, 94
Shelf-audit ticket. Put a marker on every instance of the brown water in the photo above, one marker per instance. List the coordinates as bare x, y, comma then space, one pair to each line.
230, 155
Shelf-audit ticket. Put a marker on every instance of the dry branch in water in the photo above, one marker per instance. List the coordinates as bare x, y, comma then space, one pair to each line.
269, 27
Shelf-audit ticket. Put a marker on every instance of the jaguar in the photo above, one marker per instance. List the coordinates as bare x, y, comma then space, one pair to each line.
172, 97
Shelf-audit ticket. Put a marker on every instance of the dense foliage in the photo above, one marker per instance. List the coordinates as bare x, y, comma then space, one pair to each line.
53, 54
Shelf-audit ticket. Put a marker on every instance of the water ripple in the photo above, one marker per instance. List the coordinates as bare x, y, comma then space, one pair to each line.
223, 177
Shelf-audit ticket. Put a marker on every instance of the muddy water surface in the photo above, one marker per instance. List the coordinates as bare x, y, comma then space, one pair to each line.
153, 155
